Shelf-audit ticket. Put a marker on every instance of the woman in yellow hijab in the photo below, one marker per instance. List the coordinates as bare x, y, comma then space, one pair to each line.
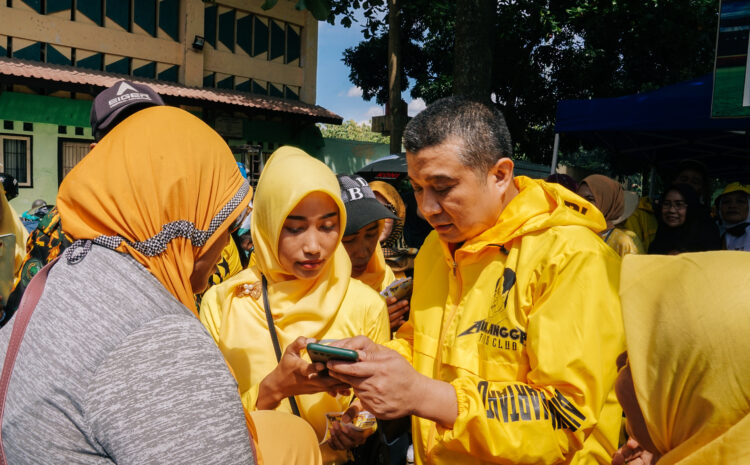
297, 225
685, 388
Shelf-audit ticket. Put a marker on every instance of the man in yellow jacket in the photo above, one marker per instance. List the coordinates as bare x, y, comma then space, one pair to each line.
509, 353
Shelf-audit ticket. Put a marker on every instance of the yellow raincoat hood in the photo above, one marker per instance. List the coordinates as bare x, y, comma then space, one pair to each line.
538, 206
687, 327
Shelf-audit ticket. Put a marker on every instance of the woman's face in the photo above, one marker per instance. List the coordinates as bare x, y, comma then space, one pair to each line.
585, 192
734, 207
360, 247
309, 236
674, 209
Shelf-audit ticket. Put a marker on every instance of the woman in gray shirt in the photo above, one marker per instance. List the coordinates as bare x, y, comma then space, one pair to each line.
114, 366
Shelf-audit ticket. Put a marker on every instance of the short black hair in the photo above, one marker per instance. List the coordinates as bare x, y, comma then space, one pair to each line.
481, 129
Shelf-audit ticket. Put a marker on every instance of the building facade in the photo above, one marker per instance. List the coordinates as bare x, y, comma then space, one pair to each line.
249, 73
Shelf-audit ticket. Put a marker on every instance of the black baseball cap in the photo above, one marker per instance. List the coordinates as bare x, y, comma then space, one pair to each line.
362, 208
116, 103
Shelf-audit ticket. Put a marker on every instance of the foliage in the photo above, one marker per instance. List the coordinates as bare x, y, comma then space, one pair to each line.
545, 51
548, 51
350, 130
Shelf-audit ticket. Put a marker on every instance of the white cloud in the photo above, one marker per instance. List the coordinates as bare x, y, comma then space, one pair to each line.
374, 111
354, 92
415, 106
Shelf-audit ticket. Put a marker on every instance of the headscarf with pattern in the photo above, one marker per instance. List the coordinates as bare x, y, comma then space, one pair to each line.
157, 187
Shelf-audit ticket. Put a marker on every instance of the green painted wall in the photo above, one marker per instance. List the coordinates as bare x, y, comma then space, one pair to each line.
347, 156
44, 159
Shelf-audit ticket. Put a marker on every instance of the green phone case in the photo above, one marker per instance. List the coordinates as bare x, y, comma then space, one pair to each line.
323, 353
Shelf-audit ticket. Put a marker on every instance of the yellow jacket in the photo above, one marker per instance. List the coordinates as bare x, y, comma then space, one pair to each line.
229, 264
526, 326
643, 222
330, 306
623, 241
689, 353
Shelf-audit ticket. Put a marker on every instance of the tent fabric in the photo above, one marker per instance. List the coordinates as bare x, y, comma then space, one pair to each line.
663, 127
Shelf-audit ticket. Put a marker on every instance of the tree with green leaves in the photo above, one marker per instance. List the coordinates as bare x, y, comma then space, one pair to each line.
351, 130
542, 52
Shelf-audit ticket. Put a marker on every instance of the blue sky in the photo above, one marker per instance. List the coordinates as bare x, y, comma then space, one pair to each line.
334, 91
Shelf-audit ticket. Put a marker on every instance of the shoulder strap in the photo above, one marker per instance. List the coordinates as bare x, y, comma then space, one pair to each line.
23, 315
274, 338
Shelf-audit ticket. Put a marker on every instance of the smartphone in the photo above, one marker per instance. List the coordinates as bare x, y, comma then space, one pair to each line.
7, 265
399, 288
322, 353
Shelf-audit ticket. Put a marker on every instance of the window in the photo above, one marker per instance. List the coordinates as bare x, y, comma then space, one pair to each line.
71, 152
16, 158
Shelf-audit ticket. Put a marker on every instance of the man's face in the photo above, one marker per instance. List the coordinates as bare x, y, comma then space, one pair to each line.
734, 207
455, 199
360, 247
692, 178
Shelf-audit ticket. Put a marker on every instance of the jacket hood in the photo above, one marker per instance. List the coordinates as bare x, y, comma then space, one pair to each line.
686, 327
538, 206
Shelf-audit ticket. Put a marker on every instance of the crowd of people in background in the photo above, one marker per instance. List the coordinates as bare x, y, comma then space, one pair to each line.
173, 305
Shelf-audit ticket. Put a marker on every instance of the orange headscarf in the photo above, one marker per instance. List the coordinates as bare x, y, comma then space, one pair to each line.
157, 187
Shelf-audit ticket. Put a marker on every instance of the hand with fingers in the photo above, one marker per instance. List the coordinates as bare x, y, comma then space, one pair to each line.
398, 312
344, 435
293, 376
633, 454
387, 385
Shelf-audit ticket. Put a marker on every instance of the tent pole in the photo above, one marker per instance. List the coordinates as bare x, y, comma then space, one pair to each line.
651, 182
555, 148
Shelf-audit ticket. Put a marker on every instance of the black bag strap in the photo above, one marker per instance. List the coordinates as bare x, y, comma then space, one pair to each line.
23, 315
274, 337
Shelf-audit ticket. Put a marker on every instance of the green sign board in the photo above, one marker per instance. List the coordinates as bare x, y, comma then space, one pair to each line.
731, 97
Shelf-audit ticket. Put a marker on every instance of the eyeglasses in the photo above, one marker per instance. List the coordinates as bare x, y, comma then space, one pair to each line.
240, 219
677, 205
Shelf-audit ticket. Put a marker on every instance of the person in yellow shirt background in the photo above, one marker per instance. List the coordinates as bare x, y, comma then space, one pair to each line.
509, 352
616, 204
643, 222
297, 224
684, 382
365, 219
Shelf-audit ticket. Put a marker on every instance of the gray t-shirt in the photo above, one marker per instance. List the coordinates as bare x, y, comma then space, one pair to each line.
113, 369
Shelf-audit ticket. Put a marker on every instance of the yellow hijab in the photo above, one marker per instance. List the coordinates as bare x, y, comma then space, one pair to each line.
157, 188
687, 327
378, 275
10, 223
299, 307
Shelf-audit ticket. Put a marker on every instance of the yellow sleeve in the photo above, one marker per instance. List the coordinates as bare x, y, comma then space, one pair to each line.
210, 312
403, 342
377, 324
574, 335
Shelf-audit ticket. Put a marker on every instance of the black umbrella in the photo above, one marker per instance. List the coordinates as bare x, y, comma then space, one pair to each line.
391, 168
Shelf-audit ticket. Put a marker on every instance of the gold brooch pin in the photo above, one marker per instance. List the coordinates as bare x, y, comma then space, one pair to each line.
249, 289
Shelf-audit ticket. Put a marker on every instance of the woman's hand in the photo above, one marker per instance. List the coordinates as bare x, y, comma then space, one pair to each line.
294, 376
398, 312
633, 454
343, 435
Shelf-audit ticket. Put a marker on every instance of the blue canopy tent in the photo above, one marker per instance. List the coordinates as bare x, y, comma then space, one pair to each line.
661, 128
